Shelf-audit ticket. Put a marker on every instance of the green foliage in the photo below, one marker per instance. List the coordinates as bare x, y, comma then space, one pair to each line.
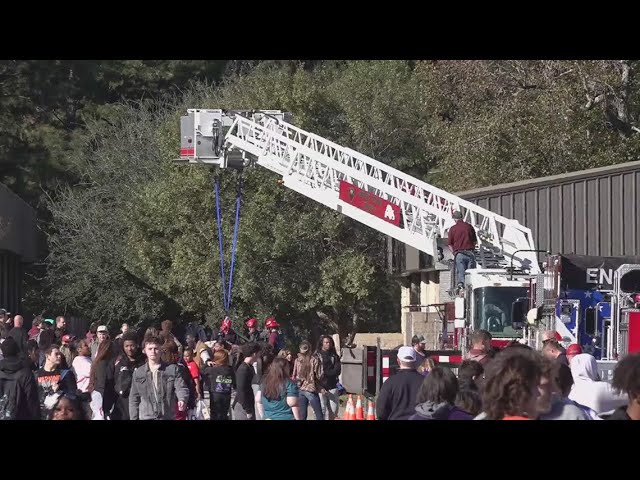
136, 237
45, 105
501, 121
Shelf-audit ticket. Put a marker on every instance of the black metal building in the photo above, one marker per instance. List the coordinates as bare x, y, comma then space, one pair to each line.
18, 245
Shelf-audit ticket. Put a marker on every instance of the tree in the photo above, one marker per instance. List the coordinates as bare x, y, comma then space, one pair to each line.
499, 121
87, 269
136, 237
160, 233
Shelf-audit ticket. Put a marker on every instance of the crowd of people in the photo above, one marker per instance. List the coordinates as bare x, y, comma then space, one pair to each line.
48, 373
515, 383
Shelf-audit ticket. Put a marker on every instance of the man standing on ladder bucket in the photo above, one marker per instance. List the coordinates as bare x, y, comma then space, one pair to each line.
462, 241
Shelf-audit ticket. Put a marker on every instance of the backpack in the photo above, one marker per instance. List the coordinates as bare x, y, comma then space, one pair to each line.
264, 336
9, 394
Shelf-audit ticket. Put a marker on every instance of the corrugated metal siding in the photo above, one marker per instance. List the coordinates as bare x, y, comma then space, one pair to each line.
583, 215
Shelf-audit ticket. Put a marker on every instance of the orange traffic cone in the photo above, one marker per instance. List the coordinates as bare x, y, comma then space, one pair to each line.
359, 409
352, 409
348, 408
371, 414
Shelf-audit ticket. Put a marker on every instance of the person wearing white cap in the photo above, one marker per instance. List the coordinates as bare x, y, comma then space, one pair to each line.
399, 394
102, 334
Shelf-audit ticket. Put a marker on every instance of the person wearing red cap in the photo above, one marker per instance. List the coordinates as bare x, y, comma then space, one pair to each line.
276, 339
573, 350
253, 334
226, 333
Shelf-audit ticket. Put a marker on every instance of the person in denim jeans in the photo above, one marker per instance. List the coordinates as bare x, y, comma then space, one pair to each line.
331, 368
307, 371
462, 240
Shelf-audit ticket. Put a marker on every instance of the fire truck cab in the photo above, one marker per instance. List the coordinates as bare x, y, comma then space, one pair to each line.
494, 300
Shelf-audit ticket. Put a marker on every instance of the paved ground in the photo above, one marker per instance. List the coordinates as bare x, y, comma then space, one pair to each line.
311, 415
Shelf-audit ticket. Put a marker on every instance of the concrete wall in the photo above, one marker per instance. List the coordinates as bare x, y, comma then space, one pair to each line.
388, 341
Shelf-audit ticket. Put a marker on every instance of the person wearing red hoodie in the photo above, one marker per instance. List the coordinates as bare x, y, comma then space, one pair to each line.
34, 331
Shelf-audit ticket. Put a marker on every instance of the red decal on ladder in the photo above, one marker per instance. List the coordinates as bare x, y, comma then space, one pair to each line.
370, 203
187, 152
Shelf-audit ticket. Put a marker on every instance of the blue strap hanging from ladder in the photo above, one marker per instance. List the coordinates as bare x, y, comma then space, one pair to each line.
226, 293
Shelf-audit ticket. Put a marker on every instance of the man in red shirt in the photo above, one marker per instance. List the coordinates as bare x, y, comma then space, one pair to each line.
462, 241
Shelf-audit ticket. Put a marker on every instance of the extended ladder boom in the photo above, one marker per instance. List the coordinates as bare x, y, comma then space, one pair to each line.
365, 189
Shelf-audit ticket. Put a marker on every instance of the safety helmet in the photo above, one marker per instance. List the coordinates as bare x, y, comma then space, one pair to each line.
251, 323
271, 323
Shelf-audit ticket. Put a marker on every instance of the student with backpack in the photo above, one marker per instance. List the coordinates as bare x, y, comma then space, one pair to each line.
221, 382
18, 389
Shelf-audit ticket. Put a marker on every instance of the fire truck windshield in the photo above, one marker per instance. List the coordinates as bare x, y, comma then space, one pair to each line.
493, 310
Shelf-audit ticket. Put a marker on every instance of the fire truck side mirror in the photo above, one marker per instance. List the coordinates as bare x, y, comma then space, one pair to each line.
518, 309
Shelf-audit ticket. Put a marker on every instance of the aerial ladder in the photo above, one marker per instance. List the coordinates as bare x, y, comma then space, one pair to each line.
367, 190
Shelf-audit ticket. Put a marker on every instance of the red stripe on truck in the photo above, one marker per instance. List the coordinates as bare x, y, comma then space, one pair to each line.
447, 358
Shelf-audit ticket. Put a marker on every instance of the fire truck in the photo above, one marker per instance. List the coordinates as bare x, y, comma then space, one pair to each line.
381, 197
594, 302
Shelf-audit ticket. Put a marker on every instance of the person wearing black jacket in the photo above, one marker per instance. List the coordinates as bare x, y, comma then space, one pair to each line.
101, 376
123, 368
19, 334
626, 379
13, 369
33, 355
221, 380
331, 368
226, 334
253, 334
399, 394
244, 405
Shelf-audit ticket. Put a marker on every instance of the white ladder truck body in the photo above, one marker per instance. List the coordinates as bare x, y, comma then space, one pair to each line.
377, 195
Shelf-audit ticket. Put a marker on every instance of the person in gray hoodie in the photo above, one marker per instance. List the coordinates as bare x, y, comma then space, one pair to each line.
436, 398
